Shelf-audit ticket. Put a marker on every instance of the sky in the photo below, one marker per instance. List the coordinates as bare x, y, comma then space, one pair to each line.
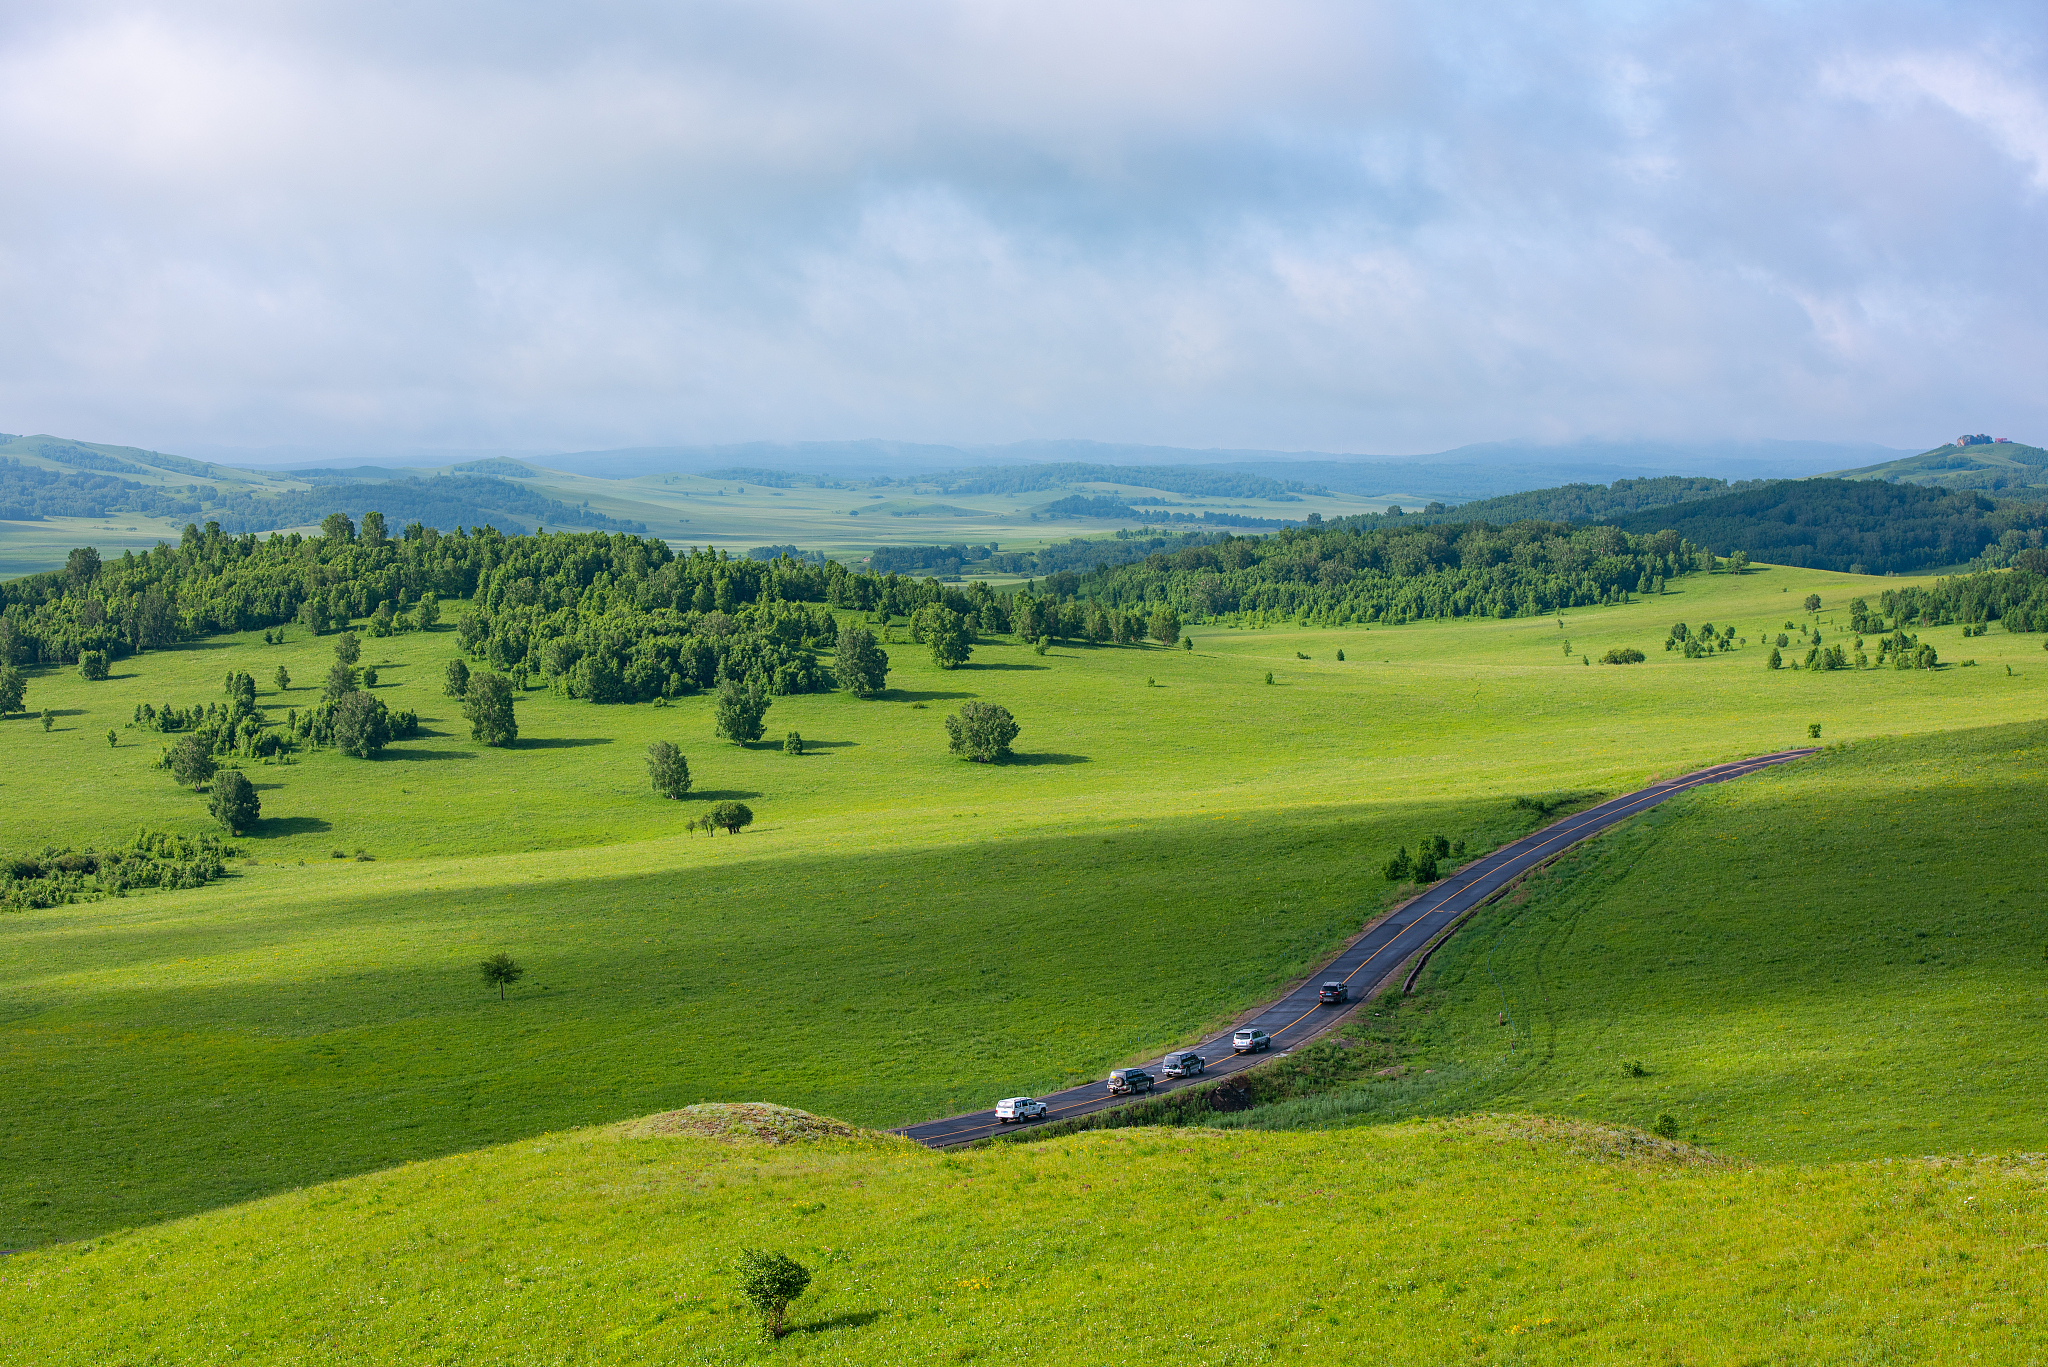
1353, 226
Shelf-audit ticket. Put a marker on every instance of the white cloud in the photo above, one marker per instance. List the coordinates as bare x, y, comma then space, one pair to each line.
1370, 227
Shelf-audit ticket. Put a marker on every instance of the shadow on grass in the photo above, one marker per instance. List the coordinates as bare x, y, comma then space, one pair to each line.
1002, 664
291, 825
427, 754
852, 1319
557, 742
722, 794
810, 745
911, 695
1048, 758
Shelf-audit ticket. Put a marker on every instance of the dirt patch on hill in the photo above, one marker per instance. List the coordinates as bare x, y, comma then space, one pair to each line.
1590, 1139
741, 1122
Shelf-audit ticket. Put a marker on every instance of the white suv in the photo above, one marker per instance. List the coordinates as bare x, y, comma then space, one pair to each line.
1250, 1041
1013, 1108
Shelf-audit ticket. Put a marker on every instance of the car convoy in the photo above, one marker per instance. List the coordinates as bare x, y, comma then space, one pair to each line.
1181, 1063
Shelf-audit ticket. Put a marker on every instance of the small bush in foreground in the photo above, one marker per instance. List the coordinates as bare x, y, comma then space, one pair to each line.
770, 1281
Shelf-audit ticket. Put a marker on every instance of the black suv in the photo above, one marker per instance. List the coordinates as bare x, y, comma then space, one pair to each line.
1130, 1081
1332, 994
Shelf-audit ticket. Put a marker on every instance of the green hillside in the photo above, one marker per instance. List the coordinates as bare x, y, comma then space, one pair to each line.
2009, 469
1489, 1239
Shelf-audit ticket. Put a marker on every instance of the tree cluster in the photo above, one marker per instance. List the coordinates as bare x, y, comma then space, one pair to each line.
153, 859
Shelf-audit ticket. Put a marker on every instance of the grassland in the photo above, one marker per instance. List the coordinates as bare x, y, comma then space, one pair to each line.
901, 934
1487, 1239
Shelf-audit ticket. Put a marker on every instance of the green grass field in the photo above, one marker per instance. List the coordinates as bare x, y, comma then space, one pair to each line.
901, 934
1488, 1239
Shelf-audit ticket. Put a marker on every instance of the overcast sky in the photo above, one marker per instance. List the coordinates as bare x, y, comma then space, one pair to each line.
1347, 226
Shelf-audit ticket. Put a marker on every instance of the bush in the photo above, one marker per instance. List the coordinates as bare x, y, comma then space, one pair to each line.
793, 744
732, 816
770, 1281
1623, 655
981, 731
1666, 1124
1634, 1068
1399, 867
92, 665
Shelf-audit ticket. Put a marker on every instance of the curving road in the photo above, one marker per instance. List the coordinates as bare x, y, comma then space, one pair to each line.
1296, 1018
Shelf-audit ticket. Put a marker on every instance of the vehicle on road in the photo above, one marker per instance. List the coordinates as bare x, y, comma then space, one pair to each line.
1186, 1063
1331, 994
1249, 1041
1015, 1108
1130, 1081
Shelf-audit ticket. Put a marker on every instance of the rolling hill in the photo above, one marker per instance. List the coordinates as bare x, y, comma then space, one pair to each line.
2009, 469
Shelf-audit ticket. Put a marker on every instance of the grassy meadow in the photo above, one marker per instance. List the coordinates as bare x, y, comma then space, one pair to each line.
1492, 1239
900, 934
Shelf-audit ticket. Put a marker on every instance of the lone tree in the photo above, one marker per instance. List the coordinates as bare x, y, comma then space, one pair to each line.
862, 666
793, 743
668, 769
1813, 602
500, 970
487, 703
283, 679
732, 816
234, 804
348, 648
455, 679
361, 725
92, 665
190, 762
13, 689
1165, 626
982, 731
739, 710
770, 1281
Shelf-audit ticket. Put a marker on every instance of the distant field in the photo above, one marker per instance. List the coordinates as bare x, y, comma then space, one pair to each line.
1490, 1239
900, 934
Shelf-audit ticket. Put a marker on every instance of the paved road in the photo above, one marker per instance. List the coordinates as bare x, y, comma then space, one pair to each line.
1296, 1018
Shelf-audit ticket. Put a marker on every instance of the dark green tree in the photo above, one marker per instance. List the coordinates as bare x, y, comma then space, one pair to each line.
1813, 602
861, 666
1425, 866
13, 689
1777, 660
770, 1281
487, 704
190, 762
667, 769
739, 710
1165, 626
793, 744
82, 566
113, 738
92, 665
49, 719
338, 527
947, 634
234, 803
372, 533
361, 725
241, 691
981, 731
1400, 866
501, 970
348, 648
426, 613
283, 679
455, 679
732, 816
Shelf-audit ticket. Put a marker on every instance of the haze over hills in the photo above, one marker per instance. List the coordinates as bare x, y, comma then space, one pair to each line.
2009, 469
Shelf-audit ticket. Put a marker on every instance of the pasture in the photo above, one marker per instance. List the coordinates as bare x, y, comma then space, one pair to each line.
899, 934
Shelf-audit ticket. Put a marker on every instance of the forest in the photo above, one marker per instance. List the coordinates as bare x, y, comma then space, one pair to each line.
29, 493
1855, 526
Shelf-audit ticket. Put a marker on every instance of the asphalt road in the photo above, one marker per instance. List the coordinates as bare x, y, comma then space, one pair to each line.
1297, 1018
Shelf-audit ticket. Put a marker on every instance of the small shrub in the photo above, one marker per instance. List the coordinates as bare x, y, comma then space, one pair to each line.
1623, 655
770, 1281
1340, 657
793, 744
1666, 1125
1269, 676
1813, 731
1633, 1068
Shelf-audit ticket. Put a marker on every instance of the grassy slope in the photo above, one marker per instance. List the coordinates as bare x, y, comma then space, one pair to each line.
1496, 1240
900, 935
1844, 956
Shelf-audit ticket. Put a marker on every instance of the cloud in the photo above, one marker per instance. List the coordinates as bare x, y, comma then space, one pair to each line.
1352, 226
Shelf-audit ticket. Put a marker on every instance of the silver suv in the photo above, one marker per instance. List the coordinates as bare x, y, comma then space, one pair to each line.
1250, 1041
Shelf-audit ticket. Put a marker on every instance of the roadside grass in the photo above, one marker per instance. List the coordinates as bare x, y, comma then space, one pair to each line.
1505, 1239
1840, 956
900, 935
